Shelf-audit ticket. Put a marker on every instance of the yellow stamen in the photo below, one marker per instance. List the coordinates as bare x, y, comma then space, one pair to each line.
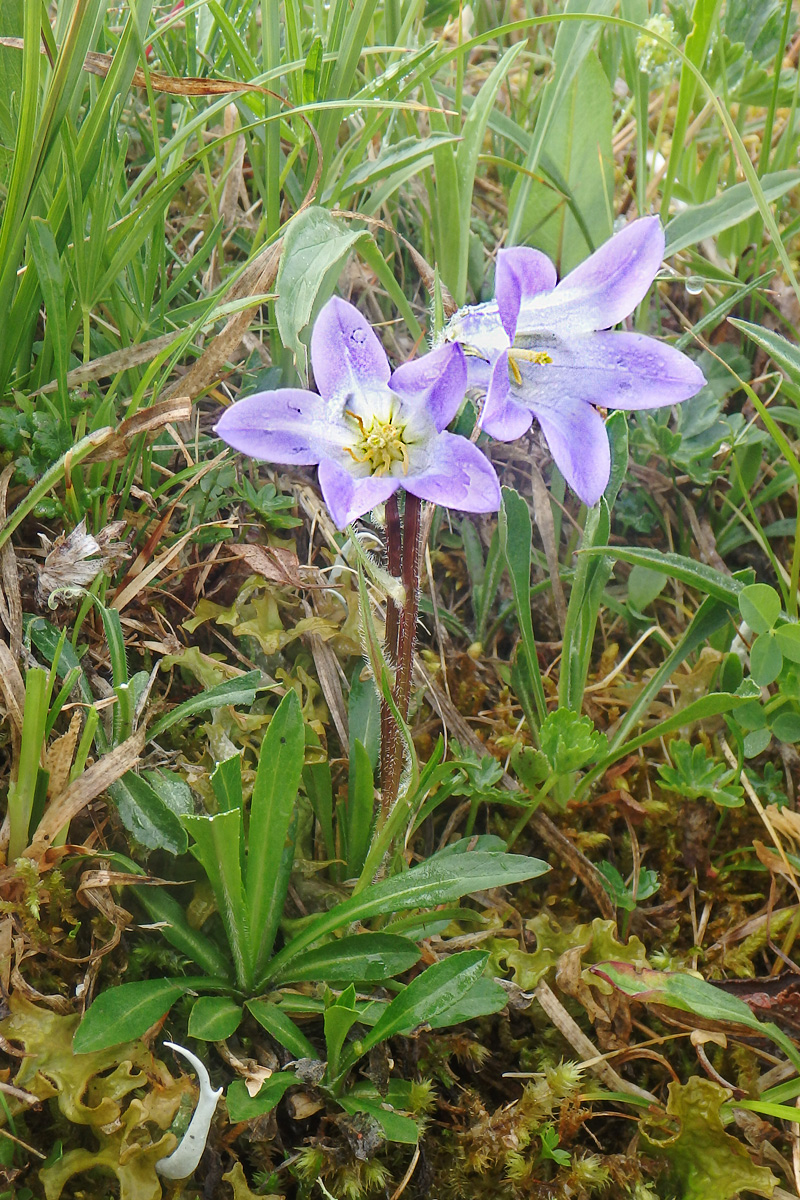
381, 445
541, 357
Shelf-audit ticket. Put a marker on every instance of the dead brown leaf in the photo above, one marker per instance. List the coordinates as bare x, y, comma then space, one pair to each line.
58, 759
83, 790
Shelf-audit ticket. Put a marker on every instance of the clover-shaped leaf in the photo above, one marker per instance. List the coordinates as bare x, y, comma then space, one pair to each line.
570, 741
788, 639
695, 776
760, 605
766, 659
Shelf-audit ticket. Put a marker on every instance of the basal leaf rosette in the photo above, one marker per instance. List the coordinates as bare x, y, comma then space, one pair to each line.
545, 349
370, 431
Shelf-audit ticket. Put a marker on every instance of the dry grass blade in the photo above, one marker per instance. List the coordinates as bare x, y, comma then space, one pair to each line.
158, 416
327, 666
112, 364
10, 599
86, 788
256, 280
58, 759
12, 686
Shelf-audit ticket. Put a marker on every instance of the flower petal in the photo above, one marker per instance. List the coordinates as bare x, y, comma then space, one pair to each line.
284, 426
345, 353
458, 475
520, 275
578, 441
503, 418
435, 383
348, 498
479, 330
603, 289
614, 370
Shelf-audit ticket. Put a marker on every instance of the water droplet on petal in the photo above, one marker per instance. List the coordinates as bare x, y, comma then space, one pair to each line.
694, 285
358, 336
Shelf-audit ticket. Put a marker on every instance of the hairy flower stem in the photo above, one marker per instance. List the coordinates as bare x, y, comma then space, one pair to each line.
401, 629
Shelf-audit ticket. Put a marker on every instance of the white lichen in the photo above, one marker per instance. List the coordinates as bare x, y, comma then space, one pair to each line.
186, 1156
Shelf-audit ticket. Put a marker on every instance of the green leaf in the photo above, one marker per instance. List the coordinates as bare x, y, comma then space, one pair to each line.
312, 72
282, 1028
705, 1162
145, 815
786, 727
314, 250
362, 957
270, 836
755, 743
516, 533
570, 741
428, 996
726, 209
486, 996
678, 990
360, 808
569, 221
395, 1126
218, 849
644, 584
766, 660
214, 1018
695, 776
340, 1017
122, 1013
760, 605
241, 690
243, 1107
784, 353
706, 579
175, 928
574, 41
788, 638
438, 880
226, 780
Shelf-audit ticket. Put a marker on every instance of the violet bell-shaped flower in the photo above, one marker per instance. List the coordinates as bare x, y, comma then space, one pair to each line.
370, 431
544, 349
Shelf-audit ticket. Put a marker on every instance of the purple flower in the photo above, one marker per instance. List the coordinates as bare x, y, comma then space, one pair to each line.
535, 350
370, 431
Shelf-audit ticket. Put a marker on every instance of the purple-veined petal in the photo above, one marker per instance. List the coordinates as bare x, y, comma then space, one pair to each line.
457, 475
284, 426
658, 374
503, 418
348, 498
520, 275
603, 289
435, 383
613, 370
578, 442
346, 355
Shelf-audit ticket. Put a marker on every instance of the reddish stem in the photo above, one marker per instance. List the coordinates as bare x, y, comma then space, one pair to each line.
393, 618
390, 780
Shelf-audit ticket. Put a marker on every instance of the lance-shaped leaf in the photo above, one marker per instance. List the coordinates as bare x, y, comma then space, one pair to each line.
270, 845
